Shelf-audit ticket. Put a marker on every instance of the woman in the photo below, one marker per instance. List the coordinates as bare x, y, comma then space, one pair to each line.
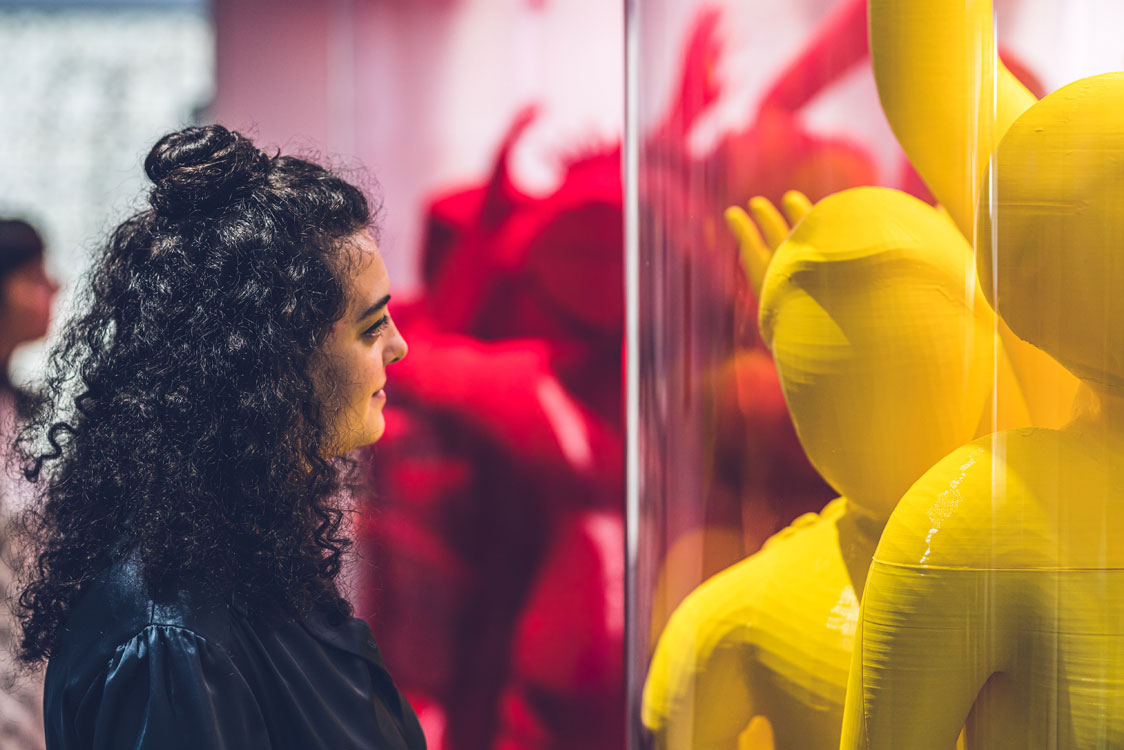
26, 294
232, 348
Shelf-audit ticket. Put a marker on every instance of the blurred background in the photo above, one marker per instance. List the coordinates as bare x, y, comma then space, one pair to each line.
83, 87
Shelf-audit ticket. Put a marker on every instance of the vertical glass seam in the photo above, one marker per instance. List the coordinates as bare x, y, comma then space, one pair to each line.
631, 155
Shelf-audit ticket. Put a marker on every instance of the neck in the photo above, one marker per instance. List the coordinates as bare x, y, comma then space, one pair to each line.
859, 531
1100, 408
866, 521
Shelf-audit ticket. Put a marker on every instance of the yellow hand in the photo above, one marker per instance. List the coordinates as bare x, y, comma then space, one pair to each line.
760, 236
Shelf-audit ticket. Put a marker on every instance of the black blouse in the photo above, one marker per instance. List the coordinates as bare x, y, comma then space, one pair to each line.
131, 672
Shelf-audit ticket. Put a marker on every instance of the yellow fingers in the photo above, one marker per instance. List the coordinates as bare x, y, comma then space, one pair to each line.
795, 206
761, 234
769, 219
755, 254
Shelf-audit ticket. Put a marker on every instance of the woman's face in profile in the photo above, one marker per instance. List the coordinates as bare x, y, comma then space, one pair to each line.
357, 350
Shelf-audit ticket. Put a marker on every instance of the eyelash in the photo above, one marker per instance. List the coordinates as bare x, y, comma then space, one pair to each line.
380, 325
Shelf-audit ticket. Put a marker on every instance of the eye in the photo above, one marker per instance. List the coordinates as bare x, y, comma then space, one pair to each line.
379, 326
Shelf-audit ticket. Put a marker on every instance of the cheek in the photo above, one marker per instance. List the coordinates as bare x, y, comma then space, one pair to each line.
366, 375
358, 372
365, 417
374, 372
30, 294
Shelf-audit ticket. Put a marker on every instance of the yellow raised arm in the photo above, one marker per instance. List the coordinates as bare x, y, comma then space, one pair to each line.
947, 96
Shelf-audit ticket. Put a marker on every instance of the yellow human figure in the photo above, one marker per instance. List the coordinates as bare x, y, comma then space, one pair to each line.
949, 101
884, 346
996, 597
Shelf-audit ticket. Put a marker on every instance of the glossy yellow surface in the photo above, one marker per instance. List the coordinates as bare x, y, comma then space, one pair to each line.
996, 597
1058, 212
999, 609
869, 306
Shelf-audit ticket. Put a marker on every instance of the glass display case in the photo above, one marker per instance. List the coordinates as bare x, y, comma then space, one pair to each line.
874, 374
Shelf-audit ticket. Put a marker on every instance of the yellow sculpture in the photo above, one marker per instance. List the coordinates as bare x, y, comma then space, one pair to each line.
884, 345
995, 601
883, 342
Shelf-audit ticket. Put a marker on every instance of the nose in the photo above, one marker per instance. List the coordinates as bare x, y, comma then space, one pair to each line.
396, 348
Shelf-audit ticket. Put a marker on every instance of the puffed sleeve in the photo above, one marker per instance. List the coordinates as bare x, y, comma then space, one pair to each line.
169, 688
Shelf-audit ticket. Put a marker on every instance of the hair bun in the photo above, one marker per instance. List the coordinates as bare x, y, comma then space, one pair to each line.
200, 168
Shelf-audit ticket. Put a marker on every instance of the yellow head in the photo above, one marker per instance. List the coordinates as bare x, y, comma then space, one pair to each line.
882, 341
1051, 228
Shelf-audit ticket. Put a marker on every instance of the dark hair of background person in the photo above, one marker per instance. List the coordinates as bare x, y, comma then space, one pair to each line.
183, 424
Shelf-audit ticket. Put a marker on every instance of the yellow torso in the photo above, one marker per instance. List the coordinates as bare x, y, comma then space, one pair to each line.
996, 598
768, 637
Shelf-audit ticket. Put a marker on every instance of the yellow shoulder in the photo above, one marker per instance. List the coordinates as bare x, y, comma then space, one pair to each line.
1032, 498
726, 605
702, 658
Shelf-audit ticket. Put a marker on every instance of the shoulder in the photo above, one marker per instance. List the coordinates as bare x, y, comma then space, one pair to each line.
722, 612
163, 685
1004, 501
118, 608
703, 662
946, 497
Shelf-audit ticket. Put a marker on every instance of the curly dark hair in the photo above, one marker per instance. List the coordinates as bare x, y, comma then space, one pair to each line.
182, 422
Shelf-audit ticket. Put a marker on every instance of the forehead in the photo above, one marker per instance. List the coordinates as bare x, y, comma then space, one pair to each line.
366, 270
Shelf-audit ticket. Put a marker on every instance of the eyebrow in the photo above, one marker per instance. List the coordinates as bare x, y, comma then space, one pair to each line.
375, 308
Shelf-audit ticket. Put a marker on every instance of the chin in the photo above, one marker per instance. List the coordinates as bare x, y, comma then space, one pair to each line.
375, 430
362, 433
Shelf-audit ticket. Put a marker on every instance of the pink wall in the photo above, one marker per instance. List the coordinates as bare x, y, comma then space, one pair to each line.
420, 92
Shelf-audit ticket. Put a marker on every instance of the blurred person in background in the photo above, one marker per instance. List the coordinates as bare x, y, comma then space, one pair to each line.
230, 348
26, 294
